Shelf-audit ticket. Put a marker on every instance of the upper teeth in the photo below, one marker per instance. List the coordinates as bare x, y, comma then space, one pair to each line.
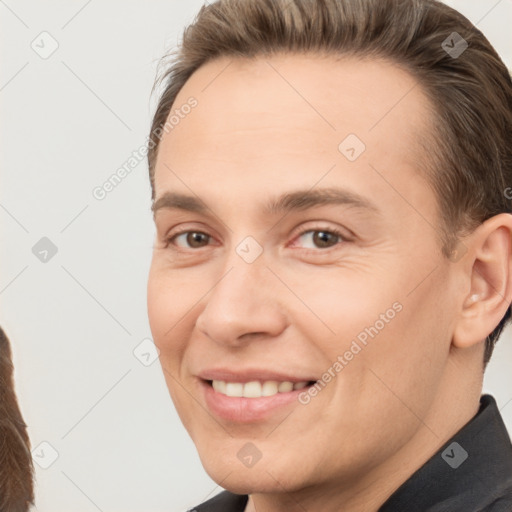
255, 389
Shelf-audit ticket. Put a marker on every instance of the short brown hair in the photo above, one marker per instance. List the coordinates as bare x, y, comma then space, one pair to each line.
470, 149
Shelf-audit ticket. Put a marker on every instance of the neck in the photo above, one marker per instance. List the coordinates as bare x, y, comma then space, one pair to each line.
455, 404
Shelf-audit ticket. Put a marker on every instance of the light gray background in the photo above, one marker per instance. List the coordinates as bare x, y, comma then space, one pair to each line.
68, 123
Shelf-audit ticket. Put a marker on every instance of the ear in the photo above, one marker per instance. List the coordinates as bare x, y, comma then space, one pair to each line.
489, 276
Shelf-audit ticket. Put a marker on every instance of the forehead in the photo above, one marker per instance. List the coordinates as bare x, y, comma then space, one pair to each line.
289, 113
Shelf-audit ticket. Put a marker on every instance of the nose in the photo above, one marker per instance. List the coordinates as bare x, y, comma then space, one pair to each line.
243, 305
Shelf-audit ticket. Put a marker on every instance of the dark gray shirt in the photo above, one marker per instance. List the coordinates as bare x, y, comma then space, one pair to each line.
472, 472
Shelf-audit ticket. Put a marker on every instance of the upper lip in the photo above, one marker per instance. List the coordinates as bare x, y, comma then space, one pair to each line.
251, 374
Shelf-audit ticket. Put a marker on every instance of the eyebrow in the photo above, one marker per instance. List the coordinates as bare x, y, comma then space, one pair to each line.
297, 200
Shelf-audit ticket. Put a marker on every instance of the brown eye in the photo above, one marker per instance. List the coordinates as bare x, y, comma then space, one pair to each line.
195, 239
191, 239
324, 239
319, 239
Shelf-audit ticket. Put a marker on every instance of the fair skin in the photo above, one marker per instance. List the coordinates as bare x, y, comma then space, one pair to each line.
267, 127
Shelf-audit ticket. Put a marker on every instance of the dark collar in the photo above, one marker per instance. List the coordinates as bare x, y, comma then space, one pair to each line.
472, 472
224, 502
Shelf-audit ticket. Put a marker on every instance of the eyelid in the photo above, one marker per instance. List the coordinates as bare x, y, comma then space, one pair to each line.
186, 227
345, 233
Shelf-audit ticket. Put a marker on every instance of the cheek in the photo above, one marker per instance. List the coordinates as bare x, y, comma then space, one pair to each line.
167, 314
167, 304
407, 358
391, 340
348, 305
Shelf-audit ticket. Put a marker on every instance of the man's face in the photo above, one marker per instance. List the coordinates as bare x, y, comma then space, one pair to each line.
256, 294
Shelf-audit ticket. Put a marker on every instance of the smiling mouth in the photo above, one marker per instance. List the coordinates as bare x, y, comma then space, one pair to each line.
257, 389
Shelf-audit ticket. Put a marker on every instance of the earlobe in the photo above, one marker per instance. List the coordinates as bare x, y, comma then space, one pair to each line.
489, 277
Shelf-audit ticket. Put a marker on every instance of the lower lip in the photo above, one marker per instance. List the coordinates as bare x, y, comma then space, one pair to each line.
247, 410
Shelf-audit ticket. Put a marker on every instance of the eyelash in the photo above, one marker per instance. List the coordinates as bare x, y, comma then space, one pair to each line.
331, 231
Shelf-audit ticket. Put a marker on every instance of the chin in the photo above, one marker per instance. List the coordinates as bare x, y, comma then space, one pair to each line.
224, 467
251, 481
